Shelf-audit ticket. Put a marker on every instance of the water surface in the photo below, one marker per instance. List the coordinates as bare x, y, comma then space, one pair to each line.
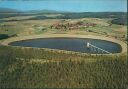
70, 44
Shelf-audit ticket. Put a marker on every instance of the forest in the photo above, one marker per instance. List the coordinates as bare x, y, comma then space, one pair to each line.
119, 18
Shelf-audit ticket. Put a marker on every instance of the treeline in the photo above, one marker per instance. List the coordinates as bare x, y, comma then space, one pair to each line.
7, 15
119, 17
84, 15
3, 36
119, 21
93, 15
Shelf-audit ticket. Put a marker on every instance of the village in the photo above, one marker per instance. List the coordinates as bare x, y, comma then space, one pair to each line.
72, 25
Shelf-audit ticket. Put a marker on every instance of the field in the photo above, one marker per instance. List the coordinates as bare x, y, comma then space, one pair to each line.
41, 68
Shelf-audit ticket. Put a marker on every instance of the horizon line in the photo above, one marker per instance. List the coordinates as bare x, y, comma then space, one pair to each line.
22, 11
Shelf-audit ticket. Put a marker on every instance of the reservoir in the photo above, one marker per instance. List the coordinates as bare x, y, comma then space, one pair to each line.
72, 44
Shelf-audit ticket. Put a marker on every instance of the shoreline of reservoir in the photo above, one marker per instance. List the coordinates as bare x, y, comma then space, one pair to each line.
123, 45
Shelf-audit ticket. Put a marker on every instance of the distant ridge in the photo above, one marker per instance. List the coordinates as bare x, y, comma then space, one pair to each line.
43, 11
8, 10
46, 11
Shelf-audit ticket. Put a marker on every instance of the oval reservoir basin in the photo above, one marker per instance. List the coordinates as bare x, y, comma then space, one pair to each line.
72, 44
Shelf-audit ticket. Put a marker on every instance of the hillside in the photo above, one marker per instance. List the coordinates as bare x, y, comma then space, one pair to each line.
33, 68
118, 17
8, 10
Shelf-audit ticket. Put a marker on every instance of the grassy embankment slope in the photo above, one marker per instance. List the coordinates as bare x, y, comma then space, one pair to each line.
34, 68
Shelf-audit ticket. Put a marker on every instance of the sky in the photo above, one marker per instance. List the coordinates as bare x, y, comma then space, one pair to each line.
67, 5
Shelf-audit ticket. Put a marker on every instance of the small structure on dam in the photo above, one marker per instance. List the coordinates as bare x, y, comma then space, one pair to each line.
96, 49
